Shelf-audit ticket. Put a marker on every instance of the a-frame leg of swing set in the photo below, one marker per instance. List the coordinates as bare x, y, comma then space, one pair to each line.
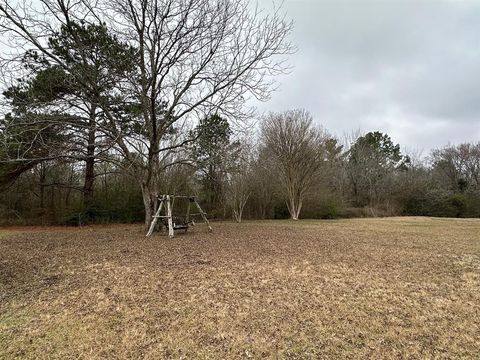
171, 232
203, 215
155, 219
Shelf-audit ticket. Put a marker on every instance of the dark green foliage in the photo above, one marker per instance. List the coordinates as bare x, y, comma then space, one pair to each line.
458, 203
47, 85
324, 205
371, 162
353, 212
280, 211
473, 204
439, 203
94, 58
124, 207
378, 147
92, 62
212, 136
211, 152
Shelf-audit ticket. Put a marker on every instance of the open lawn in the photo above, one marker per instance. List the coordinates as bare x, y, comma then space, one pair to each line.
370, 288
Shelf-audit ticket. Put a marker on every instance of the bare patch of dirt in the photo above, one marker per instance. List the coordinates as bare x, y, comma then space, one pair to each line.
370, 288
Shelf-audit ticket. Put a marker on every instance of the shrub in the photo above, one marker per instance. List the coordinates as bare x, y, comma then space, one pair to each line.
439, 203
322, 205
473, 204
458, 204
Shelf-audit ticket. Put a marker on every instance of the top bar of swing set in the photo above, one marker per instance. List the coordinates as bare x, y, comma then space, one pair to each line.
177, 196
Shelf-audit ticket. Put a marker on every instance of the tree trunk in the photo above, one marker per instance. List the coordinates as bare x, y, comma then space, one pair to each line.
42, 187
69, 189
90, 162
294, 215
299, 208
238, 211
149, 185
42, 191
150, 196
294, 206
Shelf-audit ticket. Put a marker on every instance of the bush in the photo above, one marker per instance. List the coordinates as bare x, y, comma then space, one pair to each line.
355, 212
280, 211
439, 203
322, 205
458, 204
473, 204
10, 217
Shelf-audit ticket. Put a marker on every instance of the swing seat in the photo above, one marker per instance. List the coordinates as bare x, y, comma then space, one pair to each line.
179, 223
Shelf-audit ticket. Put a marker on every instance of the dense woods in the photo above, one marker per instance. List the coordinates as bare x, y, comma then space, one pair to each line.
106, 106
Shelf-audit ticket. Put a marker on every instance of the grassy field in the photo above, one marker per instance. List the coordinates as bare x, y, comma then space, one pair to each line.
374, 288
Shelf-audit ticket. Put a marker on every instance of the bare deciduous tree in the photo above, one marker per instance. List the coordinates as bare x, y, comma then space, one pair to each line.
296, 147
264, 189
195, 58
239, 186
238, 193
458, 165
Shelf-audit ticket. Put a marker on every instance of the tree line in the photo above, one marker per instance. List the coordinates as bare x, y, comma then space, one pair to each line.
106, 105
292, 169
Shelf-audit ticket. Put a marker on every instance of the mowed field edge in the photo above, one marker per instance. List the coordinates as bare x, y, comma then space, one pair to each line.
359, 288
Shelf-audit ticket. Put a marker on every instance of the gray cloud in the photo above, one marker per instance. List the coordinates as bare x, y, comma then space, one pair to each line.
409, 68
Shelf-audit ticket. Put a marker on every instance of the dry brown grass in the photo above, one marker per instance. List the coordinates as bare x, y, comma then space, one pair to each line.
371, 288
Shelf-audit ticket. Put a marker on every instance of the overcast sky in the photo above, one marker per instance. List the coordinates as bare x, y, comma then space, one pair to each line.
408, 68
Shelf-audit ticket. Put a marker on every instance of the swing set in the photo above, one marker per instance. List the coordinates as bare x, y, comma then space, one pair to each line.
172, 223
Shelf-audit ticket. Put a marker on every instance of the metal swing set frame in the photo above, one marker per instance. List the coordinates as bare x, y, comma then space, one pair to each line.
166, 202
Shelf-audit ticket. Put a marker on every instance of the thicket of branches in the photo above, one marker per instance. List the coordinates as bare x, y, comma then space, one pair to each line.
296, 170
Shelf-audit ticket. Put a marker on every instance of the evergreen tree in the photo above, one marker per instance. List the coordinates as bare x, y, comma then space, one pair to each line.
212, 154
71, 96
370, 161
